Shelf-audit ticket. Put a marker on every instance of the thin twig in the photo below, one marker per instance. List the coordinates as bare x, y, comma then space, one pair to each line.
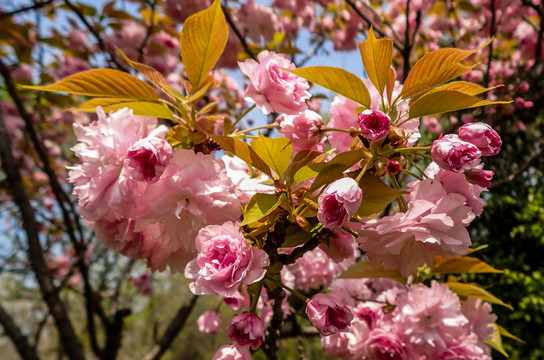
36, 6
14, 333
533, 159
238, 34
148, 32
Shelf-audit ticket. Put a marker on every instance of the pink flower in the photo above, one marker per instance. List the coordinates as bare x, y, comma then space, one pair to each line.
224, 261
302, 129
483, 136
480, 177
466, 348
339, 202
238, 301
209, 322
385, 345
273, 89
480, 317
433, 225
393, 167
230, 352
452, 153
328, 314
246, 331
374, 124
339, 246
430, 318
147, 159
342, 116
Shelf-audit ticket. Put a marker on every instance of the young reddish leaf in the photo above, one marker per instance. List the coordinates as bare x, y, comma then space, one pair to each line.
367, 270
440, 101
145, 108
276, 153
469, 290
435, 68
376, 195
466, 264
377, 56
203, 38
243, 151
102, 82
338, 80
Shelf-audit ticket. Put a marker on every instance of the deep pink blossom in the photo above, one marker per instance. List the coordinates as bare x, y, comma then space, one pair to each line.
328, 314
224, 261
273, 89
480, 177
238, 301
246, 330
483, 136
393, 167
339, 202
147, 159
452, 153
209, 322
386, 345
375, 124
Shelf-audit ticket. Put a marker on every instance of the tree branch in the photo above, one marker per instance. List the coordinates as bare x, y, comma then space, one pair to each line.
36, 6
308, 246
25, 350
238, 34
172, 331
533, 159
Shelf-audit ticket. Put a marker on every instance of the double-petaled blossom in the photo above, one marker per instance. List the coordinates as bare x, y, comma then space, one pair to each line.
483, 136
231, 352
452, 153
375, 124
273, 89
224, 261
302, 129
209, 322
246, 330
386, 345
328, 314
339, 202
147, 159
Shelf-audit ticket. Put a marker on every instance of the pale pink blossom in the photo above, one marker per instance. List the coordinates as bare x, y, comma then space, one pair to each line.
231, 352
430, 318
209, 322
328, 314
258, 21
246, 331
340, 246
238, 301
347, 345
386, 345
481, 319
452, 153
465, 348
224, 261
273, 89
248, 181
302, 130
483, 136
433, 225
71, 65
342, 116
374, 124
339, 202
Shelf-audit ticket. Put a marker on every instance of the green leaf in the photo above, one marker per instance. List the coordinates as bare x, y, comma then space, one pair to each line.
441, 101
261, 205
466, 264
470, 290
376, 195
435, 68
338, 80
496, 341
203, 38
243, 151
102, 82
367, 270
377, 56
295, 236
276, 153
332, 170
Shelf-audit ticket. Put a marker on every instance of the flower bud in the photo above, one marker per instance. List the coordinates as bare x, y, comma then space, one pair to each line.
452, 153
246, 330
483, 136
393, 167
480, 177
148, 157
375, 124
328, 314
339, 202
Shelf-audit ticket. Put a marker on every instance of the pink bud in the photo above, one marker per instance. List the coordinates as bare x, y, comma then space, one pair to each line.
246, 330
483, 136
480, 177
148, 157
339, 202
328, 314
374, 124
452, 153
393, 167
209, 322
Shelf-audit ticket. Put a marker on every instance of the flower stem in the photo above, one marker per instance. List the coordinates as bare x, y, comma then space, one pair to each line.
292, 291
270, 126
242, 116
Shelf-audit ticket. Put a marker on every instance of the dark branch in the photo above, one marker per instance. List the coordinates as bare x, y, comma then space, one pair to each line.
532, 160
36, 6
25, 350
321, 236
238, 34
